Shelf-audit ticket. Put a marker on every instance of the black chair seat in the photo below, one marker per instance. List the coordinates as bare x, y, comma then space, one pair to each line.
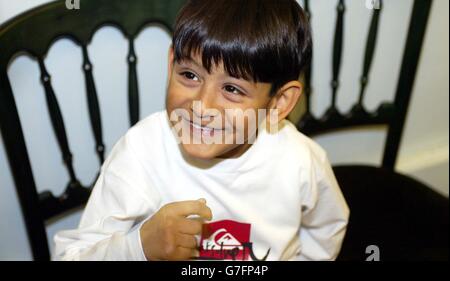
403, 217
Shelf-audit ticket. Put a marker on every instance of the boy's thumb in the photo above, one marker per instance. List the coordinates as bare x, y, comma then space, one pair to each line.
203, 200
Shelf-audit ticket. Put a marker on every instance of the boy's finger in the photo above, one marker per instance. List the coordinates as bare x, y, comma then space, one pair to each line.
186, 240
193, 207
195, 253
188, 226
185, 253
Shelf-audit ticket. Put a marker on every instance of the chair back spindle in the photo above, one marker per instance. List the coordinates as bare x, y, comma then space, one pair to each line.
133, 93
93, 106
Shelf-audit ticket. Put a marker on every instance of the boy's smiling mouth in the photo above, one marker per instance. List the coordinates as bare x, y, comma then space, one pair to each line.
199, 129
202, 127
203, 130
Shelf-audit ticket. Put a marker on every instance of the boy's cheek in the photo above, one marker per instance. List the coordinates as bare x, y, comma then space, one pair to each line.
178, 97
174, 101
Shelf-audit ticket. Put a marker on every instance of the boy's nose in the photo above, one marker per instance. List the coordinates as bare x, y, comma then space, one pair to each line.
202, 111
204, 105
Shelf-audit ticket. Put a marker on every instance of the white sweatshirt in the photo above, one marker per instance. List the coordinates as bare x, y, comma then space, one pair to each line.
277, 201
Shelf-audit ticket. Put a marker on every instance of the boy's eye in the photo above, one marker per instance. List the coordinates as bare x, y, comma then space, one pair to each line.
233, 90
189, 75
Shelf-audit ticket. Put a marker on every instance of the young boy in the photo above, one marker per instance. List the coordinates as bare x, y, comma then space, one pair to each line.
220, 174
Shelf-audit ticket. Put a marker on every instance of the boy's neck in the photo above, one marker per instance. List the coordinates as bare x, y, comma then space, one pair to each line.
236, 152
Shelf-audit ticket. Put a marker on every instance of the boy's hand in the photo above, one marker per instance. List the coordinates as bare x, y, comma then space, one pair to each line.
170, 235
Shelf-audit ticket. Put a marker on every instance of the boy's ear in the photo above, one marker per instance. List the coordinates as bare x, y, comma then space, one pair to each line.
285, 99
170, 63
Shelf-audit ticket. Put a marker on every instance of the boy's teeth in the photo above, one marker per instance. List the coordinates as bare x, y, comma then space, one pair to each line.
201, 128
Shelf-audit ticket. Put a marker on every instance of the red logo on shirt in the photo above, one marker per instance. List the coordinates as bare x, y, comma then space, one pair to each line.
226, 239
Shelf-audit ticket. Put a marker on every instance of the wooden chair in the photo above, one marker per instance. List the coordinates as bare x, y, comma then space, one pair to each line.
34, 32
412, 223
403, 218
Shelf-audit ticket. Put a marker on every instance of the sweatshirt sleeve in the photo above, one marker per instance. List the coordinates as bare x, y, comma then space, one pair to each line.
325, 213
119, 204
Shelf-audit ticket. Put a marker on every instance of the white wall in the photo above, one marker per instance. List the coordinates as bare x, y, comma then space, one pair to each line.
424, 150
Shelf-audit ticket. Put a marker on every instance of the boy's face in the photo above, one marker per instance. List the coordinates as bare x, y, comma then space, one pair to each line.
216, 101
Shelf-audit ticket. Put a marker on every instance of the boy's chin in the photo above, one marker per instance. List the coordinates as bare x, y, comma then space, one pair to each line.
202, 151
210, 151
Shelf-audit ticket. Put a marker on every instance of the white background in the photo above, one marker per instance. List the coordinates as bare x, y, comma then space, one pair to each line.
424, 149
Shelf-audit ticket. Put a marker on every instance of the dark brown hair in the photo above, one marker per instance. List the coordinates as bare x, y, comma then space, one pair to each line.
262, 40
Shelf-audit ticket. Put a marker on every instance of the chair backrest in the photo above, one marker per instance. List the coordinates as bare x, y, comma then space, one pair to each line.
34, 32
390, 114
